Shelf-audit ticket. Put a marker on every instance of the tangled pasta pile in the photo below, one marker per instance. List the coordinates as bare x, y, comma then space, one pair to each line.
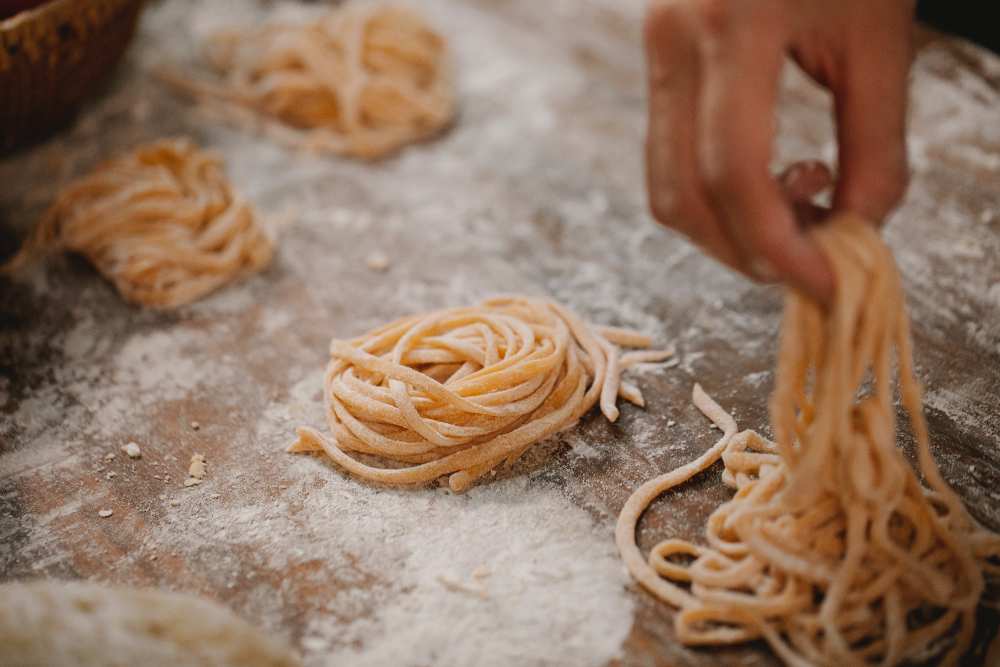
162, 223
459, 391
831, 549
361, 81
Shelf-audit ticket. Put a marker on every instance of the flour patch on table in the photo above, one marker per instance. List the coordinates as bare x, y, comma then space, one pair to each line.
554, 594
510, 572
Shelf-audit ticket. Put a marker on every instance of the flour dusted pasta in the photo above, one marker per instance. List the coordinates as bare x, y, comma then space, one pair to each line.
458, 392
831, 549
162, 223
362, 80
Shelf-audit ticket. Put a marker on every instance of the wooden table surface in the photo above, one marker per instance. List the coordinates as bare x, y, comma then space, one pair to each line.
537, 189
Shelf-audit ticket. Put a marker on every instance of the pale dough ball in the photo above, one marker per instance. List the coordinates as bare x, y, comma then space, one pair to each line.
76, 624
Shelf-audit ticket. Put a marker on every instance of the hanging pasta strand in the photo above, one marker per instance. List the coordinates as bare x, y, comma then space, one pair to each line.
831, 550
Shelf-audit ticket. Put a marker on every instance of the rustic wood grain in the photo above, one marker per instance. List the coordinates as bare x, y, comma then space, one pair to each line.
947, 239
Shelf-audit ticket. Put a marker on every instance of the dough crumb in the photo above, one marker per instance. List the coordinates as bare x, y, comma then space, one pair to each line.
459, 587
197, 467
671, 422
377, 261
104, 514
315, 644
196, 471
110, 456
195, 426
132, 449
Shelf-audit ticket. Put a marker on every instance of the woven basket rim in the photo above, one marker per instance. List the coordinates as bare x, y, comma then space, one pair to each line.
56, 11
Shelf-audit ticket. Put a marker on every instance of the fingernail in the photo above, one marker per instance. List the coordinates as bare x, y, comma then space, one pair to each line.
763, 269
791, 175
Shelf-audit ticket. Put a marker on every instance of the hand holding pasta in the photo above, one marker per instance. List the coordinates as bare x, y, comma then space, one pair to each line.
831, 549
714, 69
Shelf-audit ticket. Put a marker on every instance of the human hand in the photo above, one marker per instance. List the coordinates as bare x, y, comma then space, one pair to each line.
714, 68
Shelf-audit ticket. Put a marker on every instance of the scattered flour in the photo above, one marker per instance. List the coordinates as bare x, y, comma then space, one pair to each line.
758, 379
502, 200
555, 593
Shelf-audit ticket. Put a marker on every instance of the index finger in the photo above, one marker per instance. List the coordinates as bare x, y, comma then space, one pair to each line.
737, 128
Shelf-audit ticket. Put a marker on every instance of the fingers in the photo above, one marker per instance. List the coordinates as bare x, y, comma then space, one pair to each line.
801, 182
870, 100
712, 95
742, 67
676, 192
714, 67
804, 180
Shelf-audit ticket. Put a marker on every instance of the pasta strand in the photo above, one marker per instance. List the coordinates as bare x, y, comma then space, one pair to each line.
831, 549
162, 223
361, 81
458, 392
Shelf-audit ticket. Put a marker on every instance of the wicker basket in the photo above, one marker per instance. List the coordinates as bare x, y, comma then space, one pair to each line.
52, 57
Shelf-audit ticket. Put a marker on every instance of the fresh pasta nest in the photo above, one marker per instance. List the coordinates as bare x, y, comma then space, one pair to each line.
162, 223
361, 81
458, 392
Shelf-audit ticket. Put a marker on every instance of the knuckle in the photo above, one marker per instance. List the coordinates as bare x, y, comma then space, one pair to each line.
721, 176
665, 206
675, 208
662, 21
761, 268
766, 246
716, 17
875, 186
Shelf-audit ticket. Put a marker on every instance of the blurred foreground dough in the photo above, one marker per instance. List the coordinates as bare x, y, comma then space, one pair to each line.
76, 624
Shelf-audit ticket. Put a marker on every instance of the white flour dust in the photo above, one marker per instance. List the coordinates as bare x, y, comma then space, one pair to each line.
508, 573
537, 190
